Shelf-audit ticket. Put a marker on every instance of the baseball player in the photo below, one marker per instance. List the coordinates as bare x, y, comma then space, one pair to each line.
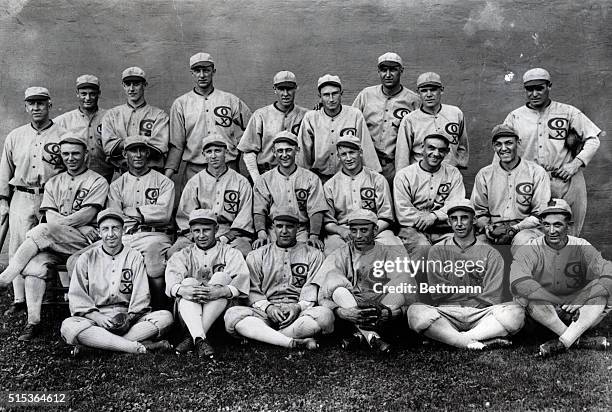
289, 185
421, 192
283, 300
256, 142
135, 117
224, 191
322, 128
200, 113
366, 294
558, 137
432, 118
109, 296
86, 120
204, 278
384, 106
472, 314
352, 188
509, 194
563, 282
29, 159
70, 204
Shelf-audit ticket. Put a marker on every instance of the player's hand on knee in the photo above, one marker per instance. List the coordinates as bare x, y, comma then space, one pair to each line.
102, 320
345, 234
214, 292
262, 239
90, 233
291, 314
314, 241
4, 211
192, 293
352, 315
223, 240
275, 314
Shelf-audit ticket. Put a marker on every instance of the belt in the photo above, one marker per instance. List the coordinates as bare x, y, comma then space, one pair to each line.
33, 190
154, 229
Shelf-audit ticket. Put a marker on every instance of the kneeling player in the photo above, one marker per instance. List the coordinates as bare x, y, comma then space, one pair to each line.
362, 288
283, 298
470, 313
204, 277
109, 296
560, 276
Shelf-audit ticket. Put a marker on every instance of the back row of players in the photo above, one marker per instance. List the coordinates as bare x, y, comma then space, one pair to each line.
420, 137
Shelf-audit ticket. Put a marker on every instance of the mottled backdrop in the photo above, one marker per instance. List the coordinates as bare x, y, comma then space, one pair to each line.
480, 48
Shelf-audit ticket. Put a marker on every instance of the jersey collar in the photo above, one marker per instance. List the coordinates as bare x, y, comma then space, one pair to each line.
137, 107
287, 112
382, 90
44, 128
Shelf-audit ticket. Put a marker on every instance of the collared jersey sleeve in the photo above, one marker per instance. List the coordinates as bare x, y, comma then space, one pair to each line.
310, 290
78, 293
306, 137
370, 158
256, 296
176, 271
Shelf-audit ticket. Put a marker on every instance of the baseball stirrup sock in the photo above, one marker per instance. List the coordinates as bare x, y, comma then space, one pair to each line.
35, 291
588, 316
19, 289
100, 338
254, 328
191, 313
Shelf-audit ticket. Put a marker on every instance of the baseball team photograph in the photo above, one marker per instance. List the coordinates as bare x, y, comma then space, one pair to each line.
305, 205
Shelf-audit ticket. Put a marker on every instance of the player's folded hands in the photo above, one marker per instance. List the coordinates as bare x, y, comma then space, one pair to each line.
291, 313
275, 314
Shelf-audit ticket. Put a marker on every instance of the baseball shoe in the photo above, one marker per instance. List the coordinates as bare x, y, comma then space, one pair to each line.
160, 346
204, 349
380, 346
496, 343
307, 343
15, 308
551, 348
30, 332
475, 345
353, 342
594, 342
76, 351
185, 345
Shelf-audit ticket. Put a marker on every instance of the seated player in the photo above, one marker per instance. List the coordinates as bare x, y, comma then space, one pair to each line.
109, 296
289, 185
421, 192
204, 278
367, 296
223, 190
282, 296
472, 315
508, 194
70, 204
356, 187
563, 279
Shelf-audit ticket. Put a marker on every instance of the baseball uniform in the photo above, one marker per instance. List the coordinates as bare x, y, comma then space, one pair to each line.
417, 191
366, 190
383, 115
193, 117
145, 120
282, 276
516, 196
543, 140
262, 128
81, 124
478, 268
229, 196
110, 285
302, 190
415, 126
318, 136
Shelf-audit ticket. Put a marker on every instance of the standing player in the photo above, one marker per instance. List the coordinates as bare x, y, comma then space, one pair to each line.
29, 159
558, 137
135, 117
422, 192
70, 204
384, 106
560, 276
475, 319
352, 188
86, 120
289, 185
256, 142
322, 128
364, 292
204, 278
509, 194
282, 297
109, 296
200, 113
432, 118
224, 191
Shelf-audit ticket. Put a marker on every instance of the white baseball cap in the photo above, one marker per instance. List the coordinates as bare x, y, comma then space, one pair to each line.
284, 76
87, 80
37, 93
329, 79
429, 79
201, 59
390, 57
536, 76
462, 204
133, 73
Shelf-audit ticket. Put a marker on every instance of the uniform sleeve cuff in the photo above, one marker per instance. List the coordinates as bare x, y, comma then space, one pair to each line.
234, 291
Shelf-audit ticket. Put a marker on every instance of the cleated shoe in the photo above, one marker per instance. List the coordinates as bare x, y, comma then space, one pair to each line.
160, 346
30, 332
551, 348
15, 308
496, 343
353, 341
204, 349
595, 343
185, 345
380, 346
307, 343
